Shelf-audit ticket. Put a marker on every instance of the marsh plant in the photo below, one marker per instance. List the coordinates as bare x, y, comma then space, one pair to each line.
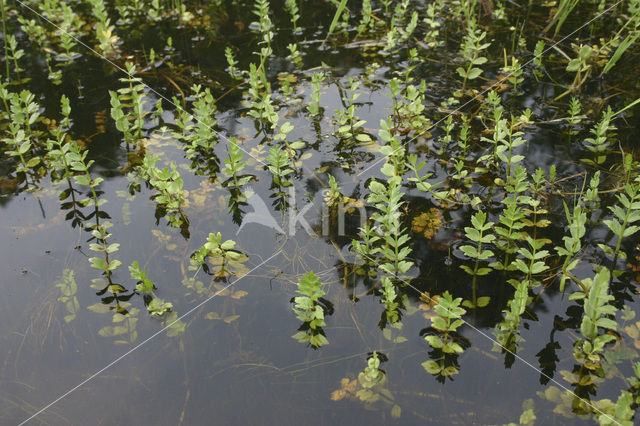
597, 315
446, 341
477, 233
463, 103
127, 108
472, 51
169, 186
310, 309
217, 257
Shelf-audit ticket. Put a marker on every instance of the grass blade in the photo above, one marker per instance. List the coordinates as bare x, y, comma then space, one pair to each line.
626, 43
336, 17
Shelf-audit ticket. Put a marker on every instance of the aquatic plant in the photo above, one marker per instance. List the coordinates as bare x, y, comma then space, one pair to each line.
507, 331
576, 219
198, 130
478, 235
350, 126
597, 310
279, 166
445, 323
263, 24
220, 254
168, 182
625, 213
600, 141
310, 311
366, 21
472, 48
234, 164
23, 113
104, 31
293, 10
314, 105
394, 248
155, 305
68, 290
371, 383
231, 61
130, 120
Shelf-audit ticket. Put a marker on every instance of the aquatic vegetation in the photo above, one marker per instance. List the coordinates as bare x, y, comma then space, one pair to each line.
455, 160
234, 164
314, 105
231, 61
428, 223
168, 182
477, 234
572, 243
507, 331
310, 310
626, 212
68, 294
279, 166
369, 387
127, 106
221, 256
445, 340
294, 11
394, 248
596, 311
472, 50
198, 130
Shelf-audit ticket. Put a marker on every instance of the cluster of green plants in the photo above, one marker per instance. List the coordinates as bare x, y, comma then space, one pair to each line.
517, 228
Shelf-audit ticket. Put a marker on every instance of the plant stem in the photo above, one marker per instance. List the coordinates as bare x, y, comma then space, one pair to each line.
4, 33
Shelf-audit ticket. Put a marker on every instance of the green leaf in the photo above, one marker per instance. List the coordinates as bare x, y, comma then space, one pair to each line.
98, 263
474, 73
574, 65
336, 17
483, 301
431, 367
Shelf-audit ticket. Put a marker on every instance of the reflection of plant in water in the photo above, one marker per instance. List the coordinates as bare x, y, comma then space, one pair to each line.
125, 320
445, 340
310, 311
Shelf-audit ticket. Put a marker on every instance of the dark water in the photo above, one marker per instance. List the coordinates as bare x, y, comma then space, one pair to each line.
246, 368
